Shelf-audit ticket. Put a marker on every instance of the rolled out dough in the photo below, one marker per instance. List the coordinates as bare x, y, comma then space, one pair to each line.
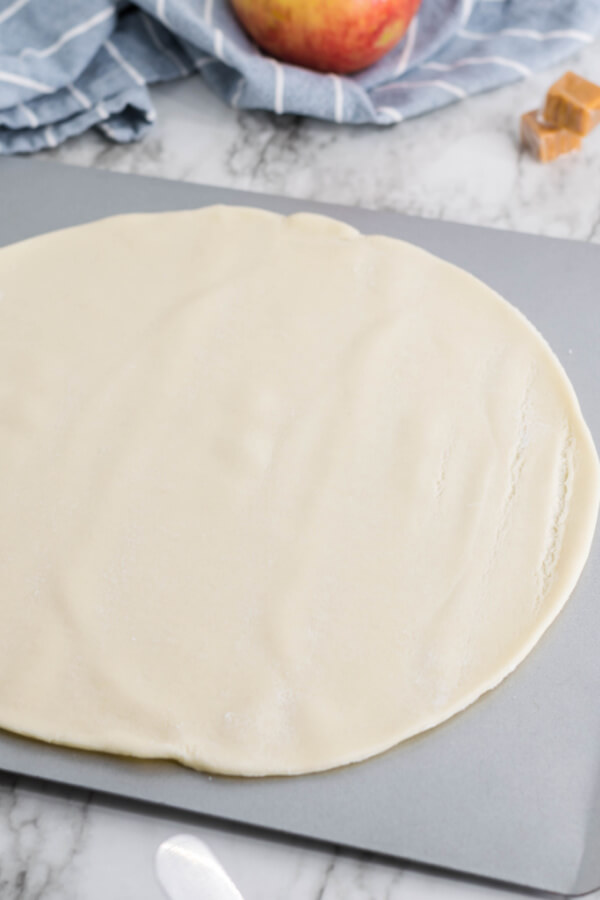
274, 496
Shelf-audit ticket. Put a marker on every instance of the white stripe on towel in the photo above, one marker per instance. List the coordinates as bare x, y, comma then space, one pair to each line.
338, 98
104, 115
29, 115
11, 10
126, 66
478, 61
391, 113
160, 46
9, 78
409, 45
218, 43
79, 96
279, 87
467, 9
567, 34
50, 136
74, 32
235, 97
438, 83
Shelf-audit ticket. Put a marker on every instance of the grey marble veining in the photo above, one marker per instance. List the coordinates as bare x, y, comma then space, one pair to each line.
462, 163
39, 841
67, 845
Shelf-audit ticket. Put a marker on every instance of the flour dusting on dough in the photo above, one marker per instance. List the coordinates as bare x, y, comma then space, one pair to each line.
564, 489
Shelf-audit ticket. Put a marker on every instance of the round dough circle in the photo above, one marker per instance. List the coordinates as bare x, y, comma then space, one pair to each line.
274, 496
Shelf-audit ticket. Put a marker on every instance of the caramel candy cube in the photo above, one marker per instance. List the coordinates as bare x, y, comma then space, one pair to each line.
573, 103
545, 141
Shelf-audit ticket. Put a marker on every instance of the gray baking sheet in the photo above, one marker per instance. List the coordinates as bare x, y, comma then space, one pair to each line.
510, 788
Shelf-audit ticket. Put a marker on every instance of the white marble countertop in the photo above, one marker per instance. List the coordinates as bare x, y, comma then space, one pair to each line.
462, 163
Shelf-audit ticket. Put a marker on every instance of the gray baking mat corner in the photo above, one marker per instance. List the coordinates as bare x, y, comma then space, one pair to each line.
510, 788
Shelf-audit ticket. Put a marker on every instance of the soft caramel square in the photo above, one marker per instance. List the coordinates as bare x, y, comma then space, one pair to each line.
546, 141
573, 103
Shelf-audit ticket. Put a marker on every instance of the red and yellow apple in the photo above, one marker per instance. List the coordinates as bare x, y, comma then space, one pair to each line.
327, 35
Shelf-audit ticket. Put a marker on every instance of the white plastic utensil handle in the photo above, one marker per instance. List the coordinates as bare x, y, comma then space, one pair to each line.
187, 870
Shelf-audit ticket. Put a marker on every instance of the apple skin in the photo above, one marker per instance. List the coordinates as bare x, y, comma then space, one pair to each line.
338, 36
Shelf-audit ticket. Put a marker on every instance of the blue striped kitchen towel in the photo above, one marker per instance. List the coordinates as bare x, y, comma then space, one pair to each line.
68, 66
